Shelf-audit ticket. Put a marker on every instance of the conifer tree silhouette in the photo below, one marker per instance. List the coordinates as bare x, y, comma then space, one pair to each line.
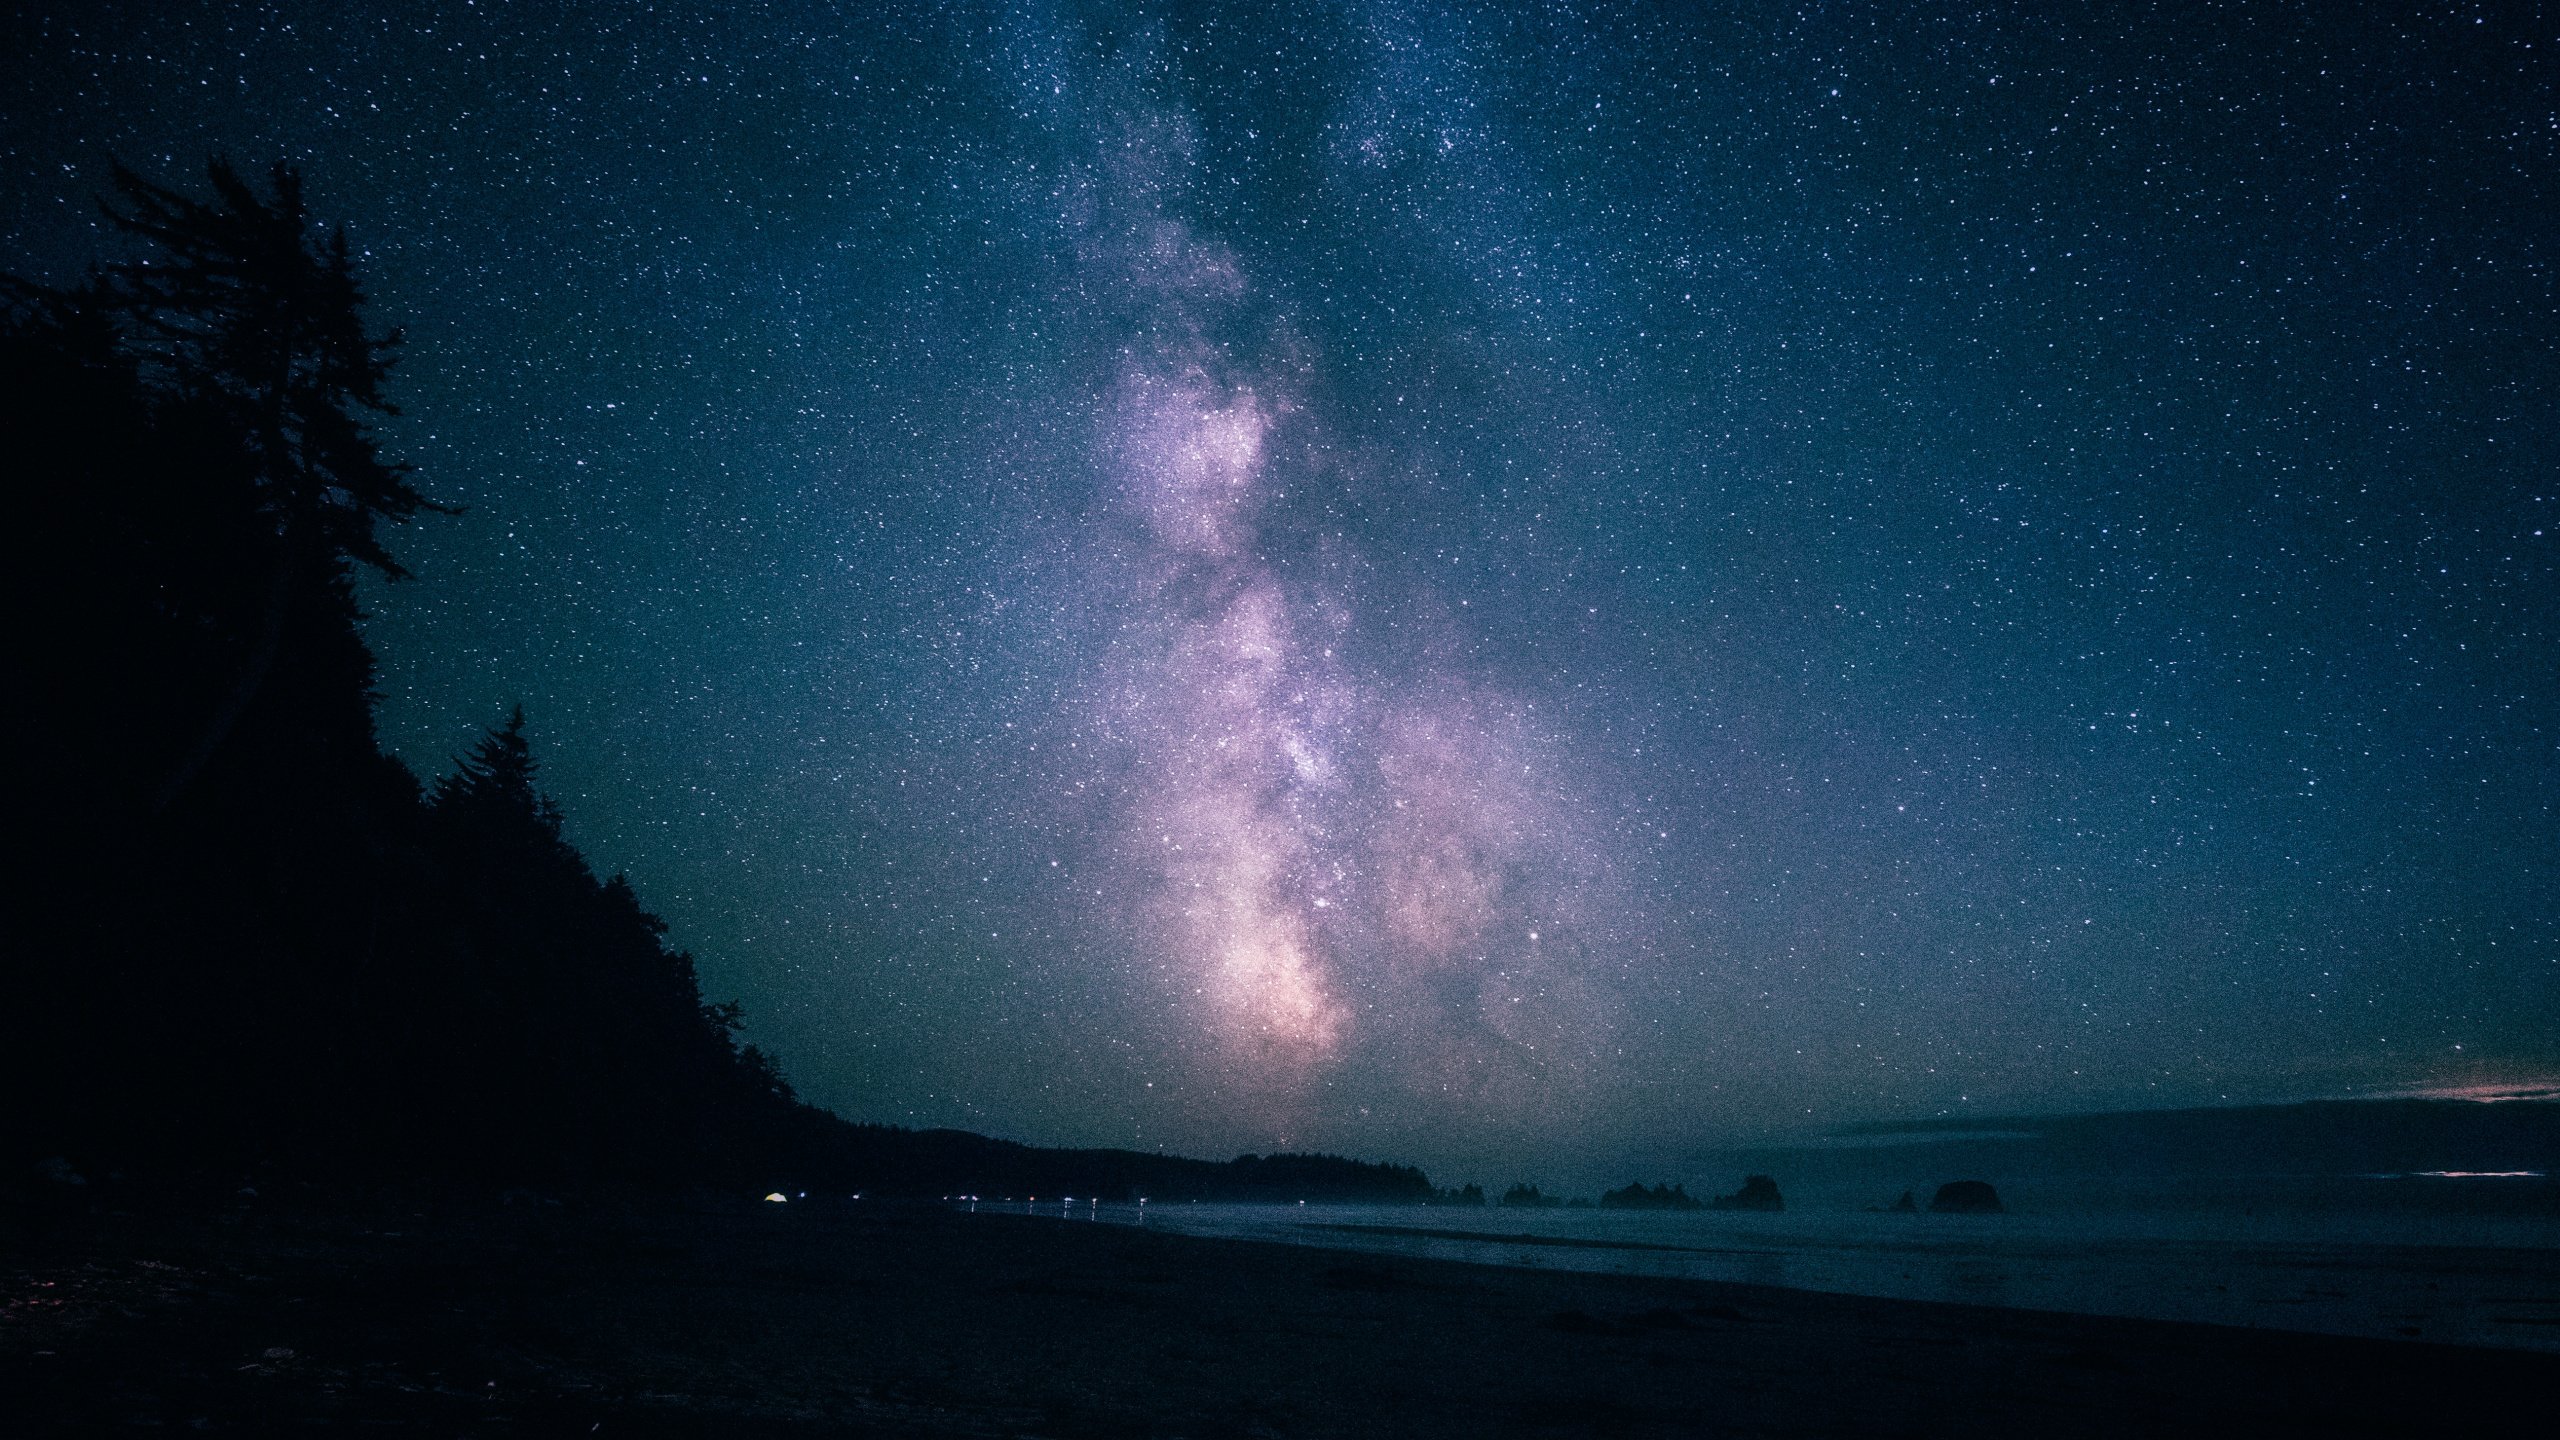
492, 788
246, 316
314, 956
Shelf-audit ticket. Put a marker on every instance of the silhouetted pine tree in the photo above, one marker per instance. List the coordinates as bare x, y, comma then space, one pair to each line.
245, 317
491, 790
244, 931
193, 491
594, 1038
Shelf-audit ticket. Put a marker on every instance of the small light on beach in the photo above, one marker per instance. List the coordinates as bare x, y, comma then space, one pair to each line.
778, 1198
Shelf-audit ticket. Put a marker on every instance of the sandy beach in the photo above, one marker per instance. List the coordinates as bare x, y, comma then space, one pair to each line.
459, 1312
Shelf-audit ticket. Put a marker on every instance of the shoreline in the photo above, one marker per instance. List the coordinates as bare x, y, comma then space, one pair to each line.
615, 1313
2493, 1290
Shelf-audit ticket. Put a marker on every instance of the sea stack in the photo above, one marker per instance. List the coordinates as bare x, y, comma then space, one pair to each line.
1758, 1192
1966, 1197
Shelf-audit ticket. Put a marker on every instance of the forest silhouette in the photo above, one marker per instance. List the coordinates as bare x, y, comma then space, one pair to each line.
244, 934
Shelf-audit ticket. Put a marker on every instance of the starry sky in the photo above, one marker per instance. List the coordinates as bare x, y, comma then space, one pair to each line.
1438, 583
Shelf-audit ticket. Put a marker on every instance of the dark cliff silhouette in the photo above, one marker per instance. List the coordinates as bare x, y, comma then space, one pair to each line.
243, 934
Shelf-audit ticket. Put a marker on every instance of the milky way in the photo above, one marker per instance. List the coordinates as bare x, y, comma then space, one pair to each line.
1330, 876
1467, 585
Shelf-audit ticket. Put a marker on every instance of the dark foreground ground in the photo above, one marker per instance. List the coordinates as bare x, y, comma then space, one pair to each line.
454, 1313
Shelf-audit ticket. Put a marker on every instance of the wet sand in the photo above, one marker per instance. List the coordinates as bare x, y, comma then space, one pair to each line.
451, 1312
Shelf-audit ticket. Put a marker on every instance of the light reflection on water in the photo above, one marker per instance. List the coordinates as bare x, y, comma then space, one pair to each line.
2475, 1279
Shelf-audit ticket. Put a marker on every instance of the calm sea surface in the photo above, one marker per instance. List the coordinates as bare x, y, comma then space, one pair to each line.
2464, 1260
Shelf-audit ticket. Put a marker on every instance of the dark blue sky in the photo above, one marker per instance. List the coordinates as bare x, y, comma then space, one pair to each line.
1421, 582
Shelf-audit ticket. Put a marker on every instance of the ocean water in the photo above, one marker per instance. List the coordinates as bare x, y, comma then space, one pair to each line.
2470, 1260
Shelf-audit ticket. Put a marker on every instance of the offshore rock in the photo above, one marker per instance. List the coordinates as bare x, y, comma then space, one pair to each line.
1966, 1197
1636, 1197
1758, 1192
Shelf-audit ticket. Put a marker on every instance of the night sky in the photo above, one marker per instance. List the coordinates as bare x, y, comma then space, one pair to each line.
1441, 585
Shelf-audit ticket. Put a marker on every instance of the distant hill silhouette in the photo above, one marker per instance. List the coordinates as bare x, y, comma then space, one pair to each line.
2327, 1154
887, 1160
2309, 1138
